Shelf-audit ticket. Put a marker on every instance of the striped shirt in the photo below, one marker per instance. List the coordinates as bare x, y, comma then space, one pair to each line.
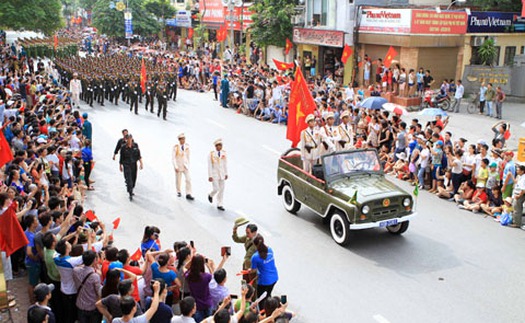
65, 267
89, 294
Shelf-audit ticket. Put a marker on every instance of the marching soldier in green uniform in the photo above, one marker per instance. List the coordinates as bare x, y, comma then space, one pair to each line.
150, 96
162, 98
133, 97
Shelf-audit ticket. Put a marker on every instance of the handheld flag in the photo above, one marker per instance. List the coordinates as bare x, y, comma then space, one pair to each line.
222, 33
389, 57
12, 236
190, 33
353, 200
347, 52
90, 215
288, 47
6, 155
300, 105
55, 43
282, 66
116, 223
416, 190
143, 77
136, 256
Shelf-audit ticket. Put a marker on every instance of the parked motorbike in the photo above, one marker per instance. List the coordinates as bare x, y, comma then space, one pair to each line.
435, 99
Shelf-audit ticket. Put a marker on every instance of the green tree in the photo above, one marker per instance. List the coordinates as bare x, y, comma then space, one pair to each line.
162, 9
272, 22
36, 15
487, 52
88, 4
499, 5
111, 21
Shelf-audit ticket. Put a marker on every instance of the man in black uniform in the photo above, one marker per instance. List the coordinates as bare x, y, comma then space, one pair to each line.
129, 156
90, 90
162, 98
150, 96
121, 142
172, 86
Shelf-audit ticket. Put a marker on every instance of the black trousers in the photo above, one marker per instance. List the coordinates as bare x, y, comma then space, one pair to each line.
134, 102
87, 172
89, 316
69, 313
264, 288
150, 101
130, 175
173, 92
163, 107
215, 91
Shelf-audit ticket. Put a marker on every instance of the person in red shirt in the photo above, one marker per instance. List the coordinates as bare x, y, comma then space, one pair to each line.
479, 197
124, 258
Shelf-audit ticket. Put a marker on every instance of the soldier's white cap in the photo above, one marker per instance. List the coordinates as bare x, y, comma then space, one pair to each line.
345, 114
180, 136
309, 118
217, 142
330, 115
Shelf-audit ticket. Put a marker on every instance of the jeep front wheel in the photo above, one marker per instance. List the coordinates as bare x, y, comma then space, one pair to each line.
398, 228
290, 203
340, 228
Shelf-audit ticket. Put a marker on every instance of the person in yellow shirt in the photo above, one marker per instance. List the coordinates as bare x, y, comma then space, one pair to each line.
483, 172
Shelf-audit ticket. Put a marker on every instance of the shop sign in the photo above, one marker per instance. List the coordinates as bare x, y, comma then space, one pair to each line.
214, 12
386, 21
330, 38
236, 17
492, 22
498, 76
183, 18
443, 23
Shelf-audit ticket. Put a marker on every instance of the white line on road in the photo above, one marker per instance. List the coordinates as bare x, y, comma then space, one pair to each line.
271, 150
380, 318
216, 123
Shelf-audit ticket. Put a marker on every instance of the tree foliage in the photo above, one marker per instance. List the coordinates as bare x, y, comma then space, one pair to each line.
111, 21
487, 52
35, 15
272, 22
499, 5
88, 4
162, 9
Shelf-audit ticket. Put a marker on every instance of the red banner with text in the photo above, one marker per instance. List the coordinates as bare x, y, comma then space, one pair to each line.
445, 22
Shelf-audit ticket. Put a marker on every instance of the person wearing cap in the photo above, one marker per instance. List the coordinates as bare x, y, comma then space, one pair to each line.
217, 173
76, 88
518, 196
129, 156
509, 172
345, 133
181, 164
87, 129
493, 179
329, 135
310, 141
247, 240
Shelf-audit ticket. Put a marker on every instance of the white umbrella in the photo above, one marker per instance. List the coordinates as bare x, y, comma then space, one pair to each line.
395, 108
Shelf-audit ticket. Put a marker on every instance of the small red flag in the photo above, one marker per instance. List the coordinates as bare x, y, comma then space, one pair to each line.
301, 105
282, 66
90, 215
347, 52
143, 77
190, 33
222, 33
116, 223
6, 155
137, 255
12, 236
288, 47
56, 41
389, 57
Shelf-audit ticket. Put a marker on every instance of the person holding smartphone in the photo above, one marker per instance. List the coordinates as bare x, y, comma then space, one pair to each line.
263, 263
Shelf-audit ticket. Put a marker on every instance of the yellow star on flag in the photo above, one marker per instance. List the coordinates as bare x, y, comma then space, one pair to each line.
298, 113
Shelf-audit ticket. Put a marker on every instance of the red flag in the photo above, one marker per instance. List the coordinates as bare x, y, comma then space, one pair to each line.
347, 52
222, 33
6, 155
56, 41
190, 33
282, 66
288, 47
90, 215
523, 8
12, 236
143, 77
136, 256
116, 223
389, 57
301, 104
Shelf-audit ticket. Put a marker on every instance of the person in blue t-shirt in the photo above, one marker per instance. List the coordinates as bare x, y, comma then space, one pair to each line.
159, 269
150, 240
263, 263
32, 260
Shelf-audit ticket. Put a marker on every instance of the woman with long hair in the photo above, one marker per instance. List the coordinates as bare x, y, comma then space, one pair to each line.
263, 263
198, 281
150, 240
111, 283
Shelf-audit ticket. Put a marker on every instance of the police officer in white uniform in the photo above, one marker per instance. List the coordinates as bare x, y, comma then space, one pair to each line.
181, 164
217, 173
329, 136
310, 141
346, 133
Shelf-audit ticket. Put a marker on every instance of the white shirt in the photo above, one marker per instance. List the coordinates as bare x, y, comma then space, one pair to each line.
460, 91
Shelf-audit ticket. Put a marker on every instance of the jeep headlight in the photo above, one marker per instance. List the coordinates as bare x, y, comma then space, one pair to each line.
406, 202
365, 209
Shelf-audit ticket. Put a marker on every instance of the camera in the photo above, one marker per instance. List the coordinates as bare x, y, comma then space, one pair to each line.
226, 251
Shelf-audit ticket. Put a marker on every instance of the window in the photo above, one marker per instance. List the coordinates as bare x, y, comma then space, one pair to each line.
498, 53
319, 12
510, 52
522, 50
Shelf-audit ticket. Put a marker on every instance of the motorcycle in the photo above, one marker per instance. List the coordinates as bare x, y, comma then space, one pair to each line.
434, 99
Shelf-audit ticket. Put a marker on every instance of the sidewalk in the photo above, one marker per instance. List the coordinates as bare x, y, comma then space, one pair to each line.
18, 288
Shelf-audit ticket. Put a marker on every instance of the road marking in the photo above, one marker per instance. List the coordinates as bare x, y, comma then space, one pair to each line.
271, 150
216, 123
380, 318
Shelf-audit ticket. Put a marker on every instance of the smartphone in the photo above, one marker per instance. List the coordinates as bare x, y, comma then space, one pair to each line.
233, 296
206, 260
284, 299
243, 284
226, 251
192, 244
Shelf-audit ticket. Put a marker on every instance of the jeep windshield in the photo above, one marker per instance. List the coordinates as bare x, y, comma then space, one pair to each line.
349, 163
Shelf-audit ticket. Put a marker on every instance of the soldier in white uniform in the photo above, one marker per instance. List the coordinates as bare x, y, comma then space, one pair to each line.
346, 134
217, 173
329, 136
310, 141
181, 164
76, 88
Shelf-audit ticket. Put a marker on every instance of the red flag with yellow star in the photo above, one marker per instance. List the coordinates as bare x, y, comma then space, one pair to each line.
389, 57
301, 104
143, 76
347, 52
288, 47
282, 66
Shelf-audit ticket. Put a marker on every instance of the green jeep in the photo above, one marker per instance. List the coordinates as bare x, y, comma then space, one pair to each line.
348, 190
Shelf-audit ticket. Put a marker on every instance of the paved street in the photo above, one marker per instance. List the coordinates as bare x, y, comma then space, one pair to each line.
450, 266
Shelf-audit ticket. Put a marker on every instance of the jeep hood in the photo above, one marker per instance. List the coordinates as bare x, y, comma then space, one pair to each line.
368, 187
